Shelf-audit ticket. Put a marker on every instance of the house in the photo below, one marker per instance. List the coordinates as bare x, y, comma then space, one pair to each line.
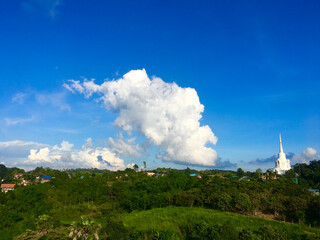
150, 174
45, 179
18, 176
195, 175
244, 179
5, 187
314, 191
268, 176
25, 182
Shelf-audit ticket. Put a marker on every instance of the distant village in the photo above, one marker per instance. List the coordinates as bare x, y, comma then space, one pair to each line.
26, 179
282, 165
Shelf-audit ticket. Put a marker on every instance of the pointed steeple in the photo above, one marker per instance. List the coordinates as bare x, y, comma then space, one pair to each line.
281, 150
282, 163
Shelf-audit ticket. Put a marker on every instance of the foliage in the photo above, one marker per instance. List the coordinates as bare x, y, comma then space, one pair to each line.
240, 172
84, 229
44, 224
199, 223
309, 174
111, 199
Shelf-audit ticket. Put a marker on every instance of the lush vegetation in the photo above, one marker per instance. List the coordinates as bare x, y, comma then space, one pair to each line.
199, 223
169, 205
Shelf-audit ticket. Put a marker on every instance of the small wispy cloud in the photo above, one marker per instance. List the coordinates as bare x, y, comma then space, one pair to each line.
65, 130
15, 121
19, 98
45, 7
55, 99
271, 159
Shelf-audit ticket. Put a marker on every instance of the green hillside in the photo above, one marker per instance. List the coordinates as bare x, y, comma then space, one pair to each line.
199, 223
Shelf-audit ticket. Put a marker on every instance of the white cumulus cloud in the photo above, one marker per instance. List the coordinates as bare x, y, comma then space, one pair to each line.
166, 114
123, 147
306, 156
65, 156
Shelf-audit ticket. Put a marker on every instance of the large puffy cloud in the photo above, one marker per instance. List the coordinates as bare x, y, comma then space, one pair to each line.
65, 156
166, 114
306, 156
124, 147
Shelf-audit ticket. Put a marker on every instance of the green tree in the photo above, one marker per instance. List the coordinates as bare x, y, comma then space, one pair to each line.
44, 224
228, 232
242, 203
240, 172
268, 233
245, 234
224, 202
300, 215
135, 167
114, 230
86, 228
258, 173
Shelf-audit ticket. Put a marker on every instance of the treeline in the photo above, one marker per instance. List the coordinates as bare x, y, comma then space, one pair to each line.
8, 172
108, 196
308, 174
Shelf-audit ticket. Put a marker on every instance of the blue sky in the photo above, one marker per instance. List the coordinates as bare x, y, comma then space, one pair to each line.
253, 64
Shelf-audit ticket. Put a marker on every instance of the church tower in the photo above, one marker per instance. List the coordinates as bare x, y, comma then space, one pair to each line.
282, 163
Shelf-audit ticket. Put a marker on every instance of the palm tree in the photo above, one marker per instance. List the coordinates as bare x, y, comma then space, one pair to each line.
86, 228
145, 164
43, 224
135, 167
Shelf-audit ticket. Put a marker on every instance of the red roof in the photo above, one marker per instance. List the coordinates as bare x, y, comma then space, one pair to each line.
9, 185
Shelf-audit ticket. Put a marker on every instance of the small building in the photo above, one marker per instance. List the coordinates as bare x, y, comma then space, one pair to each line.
25, 182
195, 175
18, 176
268, 176
5, 187
46, 178
244, 179
150, 174
314, 191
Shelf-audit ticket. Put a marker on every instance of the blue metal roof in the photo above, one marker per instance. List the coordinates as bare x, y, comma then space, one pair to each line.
47, 176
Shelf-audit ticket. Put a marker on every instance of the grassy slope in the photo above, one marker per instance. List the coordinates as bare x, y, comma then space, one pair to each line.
172, 218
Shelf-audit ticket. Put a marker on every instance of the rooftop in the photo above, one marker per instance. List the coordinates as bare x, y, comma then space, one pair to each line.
7, 185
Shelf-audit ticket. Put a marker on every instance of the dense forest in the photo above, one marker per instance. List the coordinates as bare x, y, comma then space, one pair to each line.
171, 204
